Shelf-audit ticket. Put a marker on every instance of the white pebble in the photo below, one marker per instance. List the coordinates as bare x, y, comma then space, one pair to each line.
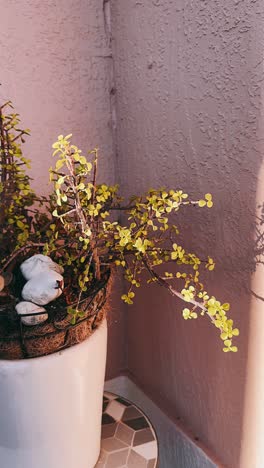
29, 308
43, 288
37, 264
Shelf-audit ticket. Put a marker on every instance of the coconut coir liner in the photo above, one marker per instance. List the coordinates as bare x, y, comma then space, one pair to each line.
18, 341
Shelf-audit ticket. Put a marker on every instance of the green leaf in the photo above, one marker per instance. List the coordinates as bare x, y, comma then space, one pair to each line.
20, 224
59, 164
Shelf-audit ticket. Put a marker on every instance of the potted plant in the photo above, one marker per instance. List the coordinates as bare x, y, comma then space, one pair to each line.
57, 255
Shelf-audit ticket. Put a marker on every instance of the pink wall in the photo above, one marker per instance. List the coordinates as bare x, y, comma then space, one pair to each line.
55, 67
188, 79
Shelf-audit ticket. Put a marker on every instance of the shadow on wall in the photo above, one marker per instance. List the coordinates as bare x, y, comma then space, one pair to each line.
258, 258
188, 79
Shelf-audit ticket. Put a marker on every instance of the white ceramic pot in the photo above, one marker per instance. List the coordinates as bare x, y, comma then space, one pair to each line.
51, 407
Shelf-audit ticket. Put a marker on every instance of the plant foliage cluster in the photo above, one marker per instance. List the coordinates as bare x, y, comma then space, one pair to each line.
77, 228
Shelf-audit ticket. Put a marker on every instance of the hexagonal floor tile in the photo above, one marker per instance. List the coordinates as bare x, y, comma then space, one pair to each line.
128, 438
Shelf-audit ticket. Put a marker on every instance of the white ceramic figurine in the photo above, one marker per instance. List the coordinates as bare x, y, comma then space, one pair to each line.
43, 288
38, 264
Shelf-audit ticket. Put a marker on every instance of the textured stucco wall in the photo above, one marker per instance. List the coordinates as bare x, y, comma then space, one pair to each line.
188, 92
57, 70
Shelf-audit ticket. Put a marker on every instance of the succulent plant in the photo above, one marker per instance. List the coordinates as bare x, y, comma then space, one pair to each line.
77, 227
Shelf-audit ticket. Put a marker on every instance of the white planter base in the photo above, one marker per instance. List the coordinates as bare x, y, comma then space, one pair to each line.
51, 407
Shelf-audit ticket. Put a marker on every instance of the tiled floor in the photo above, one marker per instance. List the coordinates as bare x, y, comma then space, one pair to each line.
176, 448
128, 439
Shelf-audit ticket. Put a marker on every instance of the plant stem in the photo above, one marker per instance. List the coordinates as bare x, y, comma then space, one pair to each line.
173, 291
80, 214
18, 252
